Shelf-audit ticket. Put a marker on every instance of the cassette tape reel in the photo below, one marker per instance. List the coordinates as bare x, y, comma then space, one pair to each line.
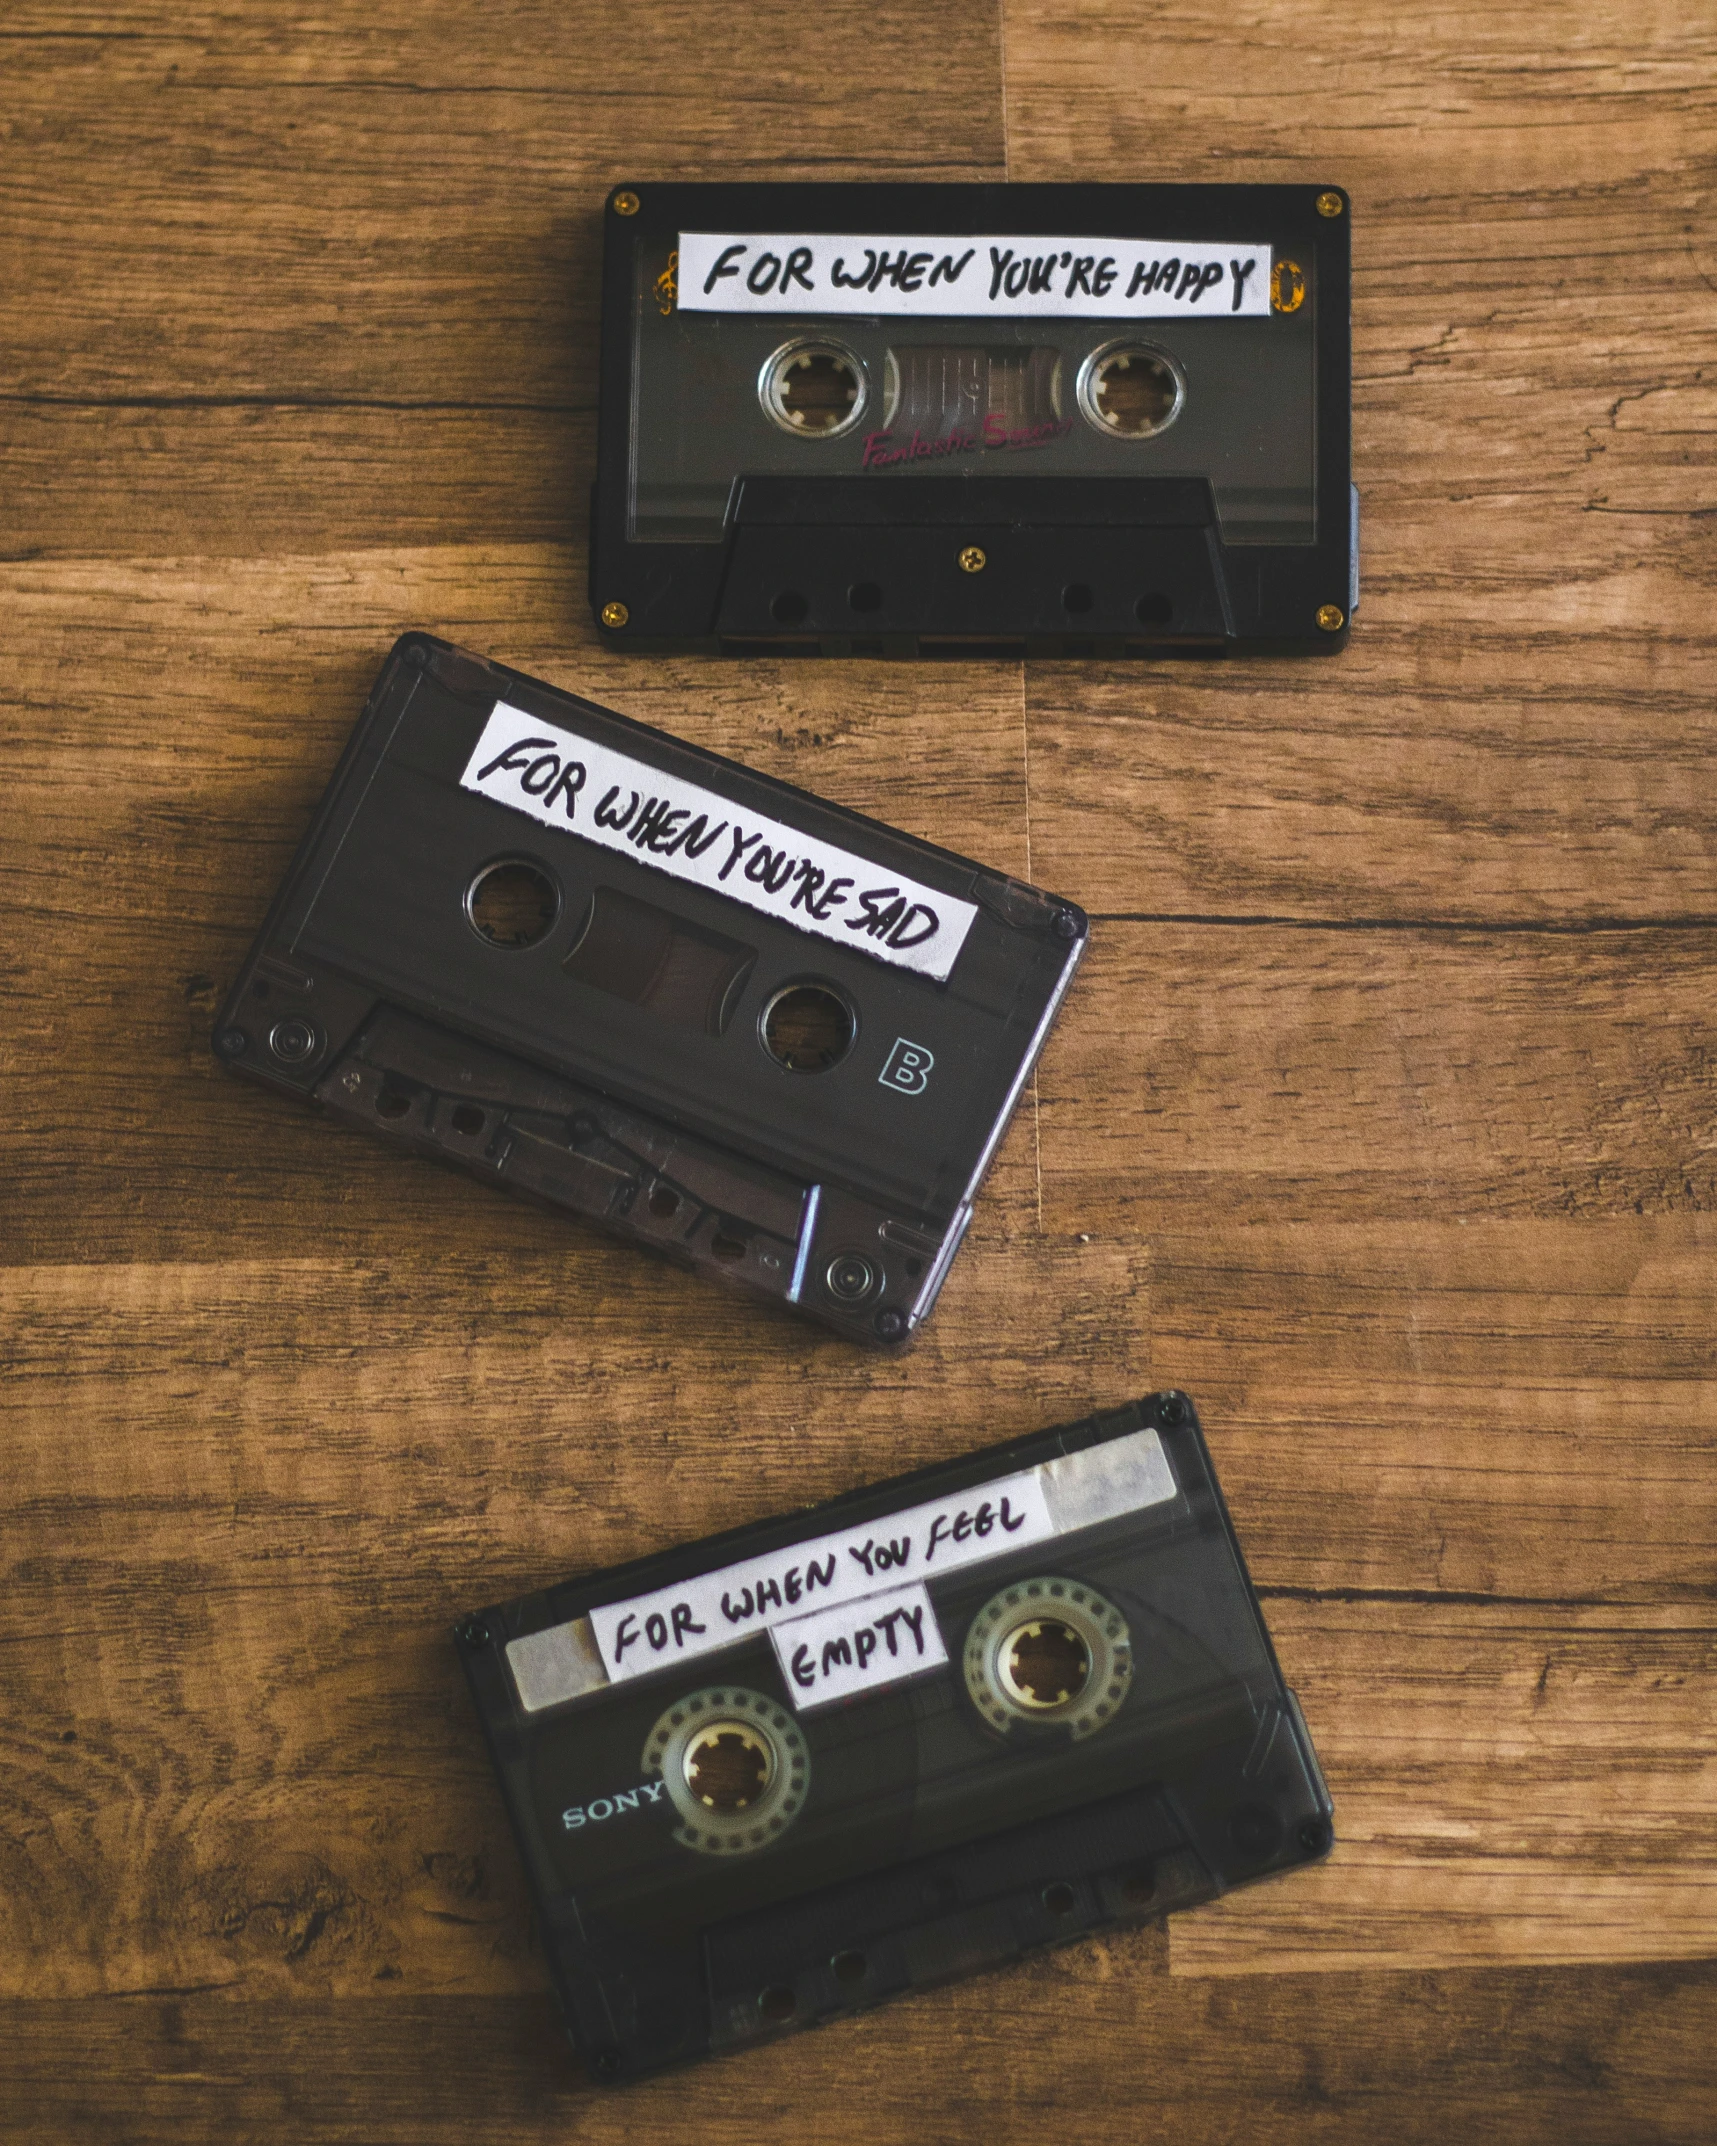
912, 1733
921, 420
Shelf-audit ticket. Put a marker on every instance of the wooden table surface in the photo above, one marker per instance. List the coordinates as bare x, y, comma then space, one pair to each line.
1381, 1117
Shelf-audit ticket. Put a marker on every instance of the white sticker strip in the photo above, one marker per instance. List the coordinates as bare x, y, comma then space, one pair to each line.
721, 1608
690, 833
677, 1624
835, 1652
992, 278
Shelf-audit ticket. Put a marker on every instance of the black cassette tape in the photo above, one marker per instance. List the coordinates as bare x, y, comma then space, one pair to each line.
879, 1743
964, 420
626, 977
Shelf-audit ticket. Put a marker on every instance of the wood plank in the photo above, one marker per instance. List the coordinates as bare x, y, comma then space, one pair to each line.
235, 203
290, 1477
1557, 2057
1530, 1782
1526, 775
176, 478
1512, 1410
1519, 730
1270, 1072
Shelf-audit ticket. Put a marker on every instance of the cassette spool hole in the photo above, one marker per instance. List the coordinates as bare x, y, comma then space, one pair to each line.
1044, 1663
1130, 390
735, 1766
808, 1028
728, 1765
777, 2003
848, 1967
512, 903
1051, 1653
813, 389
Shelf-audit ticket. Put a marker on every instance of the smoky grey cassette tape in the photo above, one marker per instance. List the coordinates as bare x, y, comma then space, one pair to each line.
613, 972
798, 1769
934, 420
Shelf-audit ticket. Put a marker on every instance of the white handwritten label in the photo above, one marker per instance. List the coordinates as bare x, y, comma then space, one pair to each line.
991, 278
676, 1624
859, 1647
691, 833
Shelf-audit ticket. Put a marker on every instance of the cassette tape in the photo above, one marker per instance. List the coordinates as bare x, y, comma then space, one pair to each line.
798, 1769
626, 977
966, 420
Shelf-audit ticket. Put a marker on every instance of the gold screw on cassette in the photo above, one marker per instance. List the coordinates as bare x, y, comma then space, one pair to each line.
625, 203
972, 560
1329, 204
1331, 617
615, 614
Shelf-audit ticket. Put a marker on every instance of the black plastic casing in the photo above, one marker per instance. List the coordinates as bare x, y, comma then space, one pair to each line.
929, 1846
370, 992
812, 539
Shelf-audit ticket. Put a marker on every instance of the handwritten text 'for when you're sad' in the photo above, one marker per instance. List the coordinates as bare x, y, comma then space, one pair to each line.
692, 833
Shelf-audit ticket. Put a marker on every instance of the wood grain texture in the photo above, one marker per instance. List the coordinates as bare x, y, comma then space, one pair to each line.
1380, 1117
1575, 2057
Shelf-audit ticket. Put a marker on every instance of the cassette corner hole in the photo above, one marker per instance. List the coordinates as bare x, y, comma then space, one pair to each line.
1051, 1651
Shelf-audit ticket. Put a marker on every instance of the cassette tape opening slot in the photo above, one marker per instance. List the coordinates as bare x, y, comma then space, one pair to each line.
636, 951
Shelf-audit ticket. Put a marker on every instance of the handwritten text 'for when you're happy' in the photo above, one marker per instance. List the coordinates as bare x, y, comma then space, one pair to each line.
1014, 278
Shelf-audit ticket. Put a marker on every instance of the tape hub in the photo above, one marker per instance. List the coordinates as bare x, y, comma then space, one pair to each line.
1051, 1652
1044, 1664
728, 1766
735, 1765
1131, 391
808, 1028
813, 388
